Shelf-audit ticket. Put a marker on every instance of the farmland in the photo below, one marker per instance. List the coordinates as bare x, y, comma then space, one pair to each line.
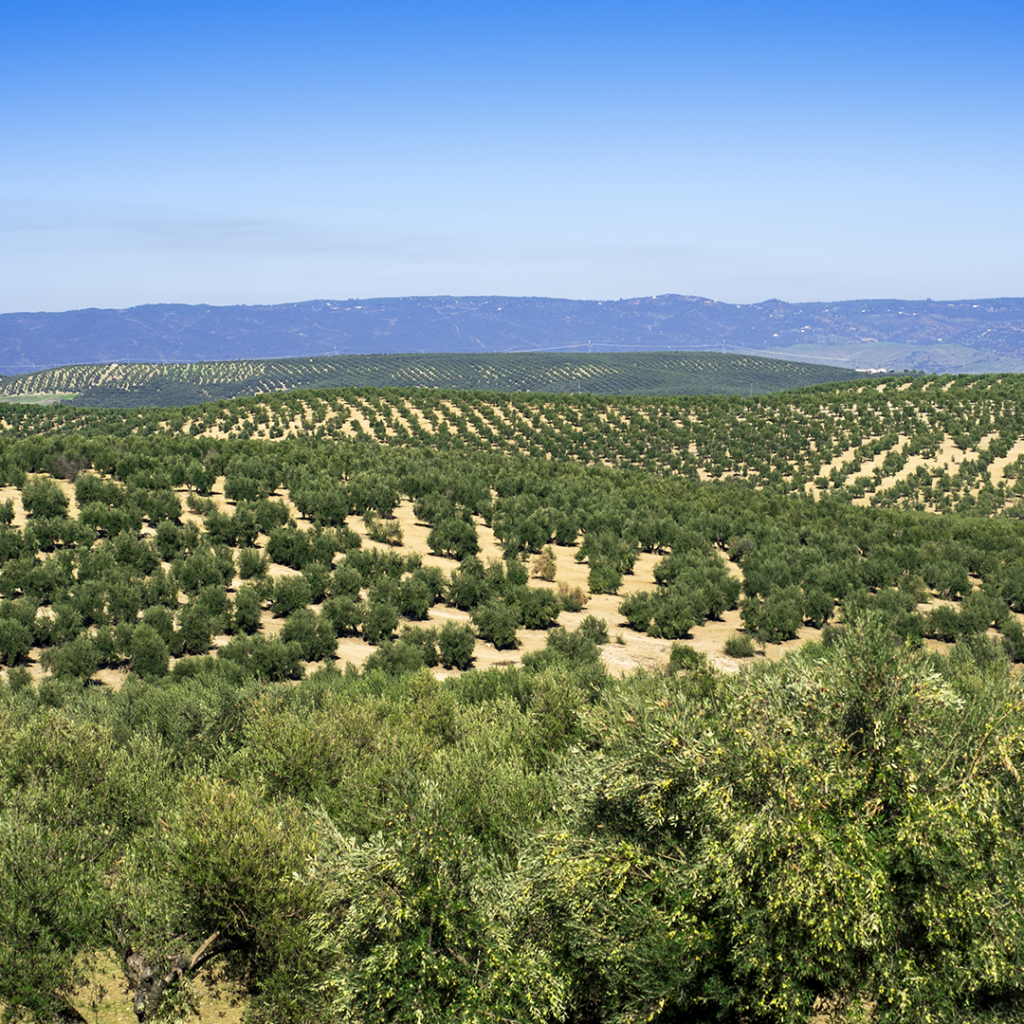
474, 704
641, 373
930, 443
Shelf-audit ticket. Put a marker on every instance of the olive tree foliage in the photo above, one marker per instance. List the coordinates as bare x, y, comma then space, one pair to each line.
379, 621
73, 801
44, 499
149, 652
841, 829
222, 875
78, 658
775, 618
455, 645
424, 920
370, 490
16, 640
845, 827
315, 636
542, 844
496, 623
455, 537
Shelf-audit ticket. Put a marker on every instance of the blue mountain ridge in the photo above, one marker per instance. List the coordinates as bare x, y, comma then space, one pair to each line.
975, 335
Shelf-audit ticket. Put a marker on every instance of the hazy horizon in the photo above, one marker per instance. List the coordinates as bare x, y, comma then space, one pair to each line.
941, 300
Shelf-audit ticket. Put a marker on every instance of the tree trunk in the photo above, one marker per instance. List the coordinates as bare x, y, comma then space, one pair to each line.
152, 980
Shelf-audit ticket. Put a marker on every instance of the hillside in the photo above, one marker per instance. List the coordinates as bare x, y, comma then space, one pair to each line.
940, 444
377, 704
953, 446
641, 373
974, 335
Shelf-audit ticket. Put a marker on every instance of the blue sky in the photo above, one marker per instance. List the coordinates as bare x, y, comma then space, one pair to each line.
262, 152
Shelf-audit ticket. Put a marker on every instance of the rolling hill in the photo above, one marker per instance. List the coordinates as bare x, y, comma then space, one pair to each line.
641, 373
973, 335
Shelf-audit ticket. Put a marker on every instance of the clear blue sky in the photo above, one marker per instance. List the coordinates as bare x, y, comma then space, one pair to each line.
228, 152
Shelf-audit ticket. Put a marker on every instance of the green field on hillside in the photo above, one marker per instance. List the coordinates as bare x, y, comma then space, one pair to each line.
642, 373
39, 397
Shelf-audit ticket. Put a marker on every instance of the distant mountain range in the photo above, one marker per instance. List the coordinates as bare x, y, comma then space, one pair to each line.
974, 335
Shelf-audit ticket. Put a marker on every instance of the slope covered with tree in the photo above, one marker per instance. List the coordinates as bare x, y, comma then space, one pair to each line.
420, 837
643, 373
935, 443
